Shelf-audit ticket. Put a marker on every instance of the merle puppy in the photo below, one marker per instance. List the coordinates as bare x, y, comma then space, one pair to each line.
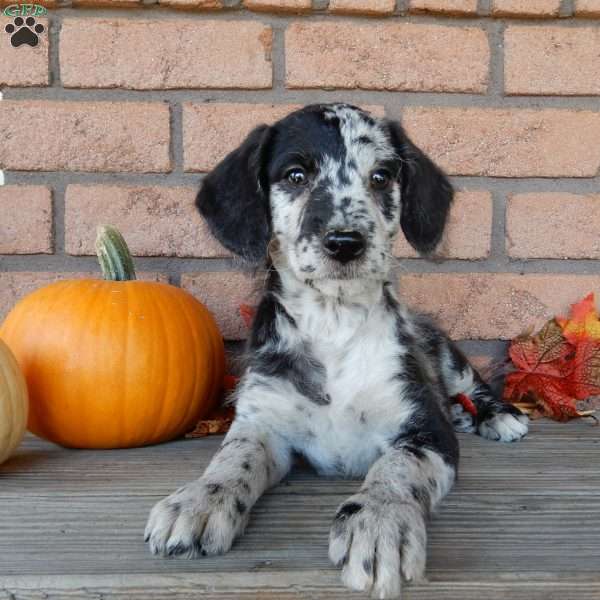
339, 370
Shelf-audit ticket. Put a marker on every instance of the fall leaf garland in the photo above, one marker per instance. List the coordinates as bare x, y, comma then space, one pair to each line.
557, 370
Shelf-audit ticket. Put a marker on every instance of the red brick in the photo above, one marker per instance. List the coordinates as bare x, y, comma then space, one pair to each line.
389, 56
15, 285
156, 221
451, 7
525, 8
222, 293
23, 66
193, 4
508, 142
553, 225
210, 131
165, 54
552, 60
362, 7
108, 3
294, 6
587, 8
84, 136
26, 222
493, 306
469, 230
45, 3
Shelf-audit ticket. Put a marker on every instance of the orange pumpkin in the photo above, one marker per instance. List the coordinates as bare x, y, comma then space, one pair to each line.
115, 363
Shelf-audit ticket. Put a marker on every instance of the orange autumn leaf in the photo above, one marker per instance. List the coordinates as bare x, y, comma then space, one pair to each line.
583, 323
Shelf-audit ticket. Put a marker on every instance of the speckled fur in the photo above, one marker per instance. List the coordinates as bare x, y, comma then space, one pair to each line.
339, 370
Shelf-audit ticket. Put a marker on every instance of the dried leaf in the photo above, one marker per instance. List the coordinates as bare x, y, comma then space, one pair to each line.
584, 323
554, 375
217, 422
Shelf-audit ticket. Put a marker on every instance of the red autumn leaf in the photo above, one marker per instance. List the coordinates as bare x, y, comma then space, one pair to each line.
585, 379
247, 313
543, 365
230, 383
553, 375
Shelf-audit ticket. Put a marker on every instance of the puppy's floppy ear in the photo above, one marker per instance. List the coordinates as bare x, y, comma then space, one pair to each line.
426, 194
234, 198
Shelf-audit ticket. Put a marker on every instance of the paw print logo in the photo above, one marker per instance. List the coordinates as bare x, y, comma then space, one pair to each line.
24, 31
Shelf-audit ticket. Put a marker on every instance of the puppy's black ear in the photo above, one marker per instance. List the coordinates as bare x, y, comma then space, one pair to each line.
426, 194
234, 198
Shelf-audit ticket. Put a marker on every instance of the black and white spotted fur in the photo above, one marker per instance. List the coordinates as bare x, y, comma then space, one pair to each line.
339, 370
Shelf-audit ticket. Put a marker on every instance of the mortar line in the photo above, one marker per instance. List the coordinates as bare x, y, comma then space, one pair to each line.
320, 5
284, 96
171, 179
165, 13
176, 137
54, 29
496, 41
495, 349
181, 264
498, 245
278, 59
58, 217
583, 186
402, 7
567, 8
74, 263
484, 8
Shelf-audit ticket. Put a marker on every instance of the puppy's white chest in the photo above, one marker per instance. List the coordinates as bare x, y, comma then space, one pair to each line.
365, 406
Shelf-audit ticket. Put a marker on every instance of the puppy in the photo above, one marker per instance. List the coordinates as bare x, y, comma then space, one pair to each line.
339, 370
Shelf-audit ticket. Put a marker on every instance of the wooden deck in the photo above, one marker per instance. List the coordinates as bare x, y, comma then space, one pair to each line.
523, 523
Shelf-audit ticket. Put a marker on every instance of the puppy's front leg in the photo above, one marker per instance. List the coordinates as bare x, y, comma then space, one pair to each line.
378, 535
206, 515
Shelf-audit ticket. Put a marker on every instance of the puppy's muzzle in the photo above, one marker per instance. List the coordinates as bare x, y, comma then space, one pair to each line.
344, 246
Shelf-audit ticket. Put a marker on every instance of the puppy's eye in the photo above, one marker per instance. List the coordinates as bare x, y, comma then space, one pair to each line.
380, 179
297, 176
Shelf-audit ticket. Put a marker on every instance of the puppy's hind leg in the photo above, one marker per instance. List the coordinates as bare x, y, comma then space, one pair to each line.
495, 420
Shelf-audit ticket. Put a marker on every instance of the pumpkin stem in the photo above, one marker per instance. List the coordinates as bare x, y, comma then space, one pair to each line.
113, 254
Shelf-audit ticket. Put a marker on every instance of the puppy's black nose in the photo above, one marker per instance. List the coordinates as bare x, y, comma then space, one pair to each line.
344, 245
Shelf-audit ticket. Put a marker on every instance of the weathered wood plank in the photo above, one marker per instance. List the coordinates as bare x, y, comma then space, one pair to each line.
485, 536
553, 459
308, 585
522, 522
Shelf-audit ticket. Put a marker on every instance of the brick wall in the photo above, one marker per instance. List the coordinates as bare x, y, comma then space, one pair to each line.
123, 105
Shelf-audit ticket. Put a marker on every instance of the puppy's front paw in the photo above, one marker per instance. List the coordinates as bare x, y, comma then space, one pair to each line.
199, 519
377, 542
507, 426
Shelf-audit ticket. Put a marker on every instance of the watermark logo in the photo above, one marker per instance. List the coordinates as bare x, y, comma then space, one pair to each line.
24, 10
24, 29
